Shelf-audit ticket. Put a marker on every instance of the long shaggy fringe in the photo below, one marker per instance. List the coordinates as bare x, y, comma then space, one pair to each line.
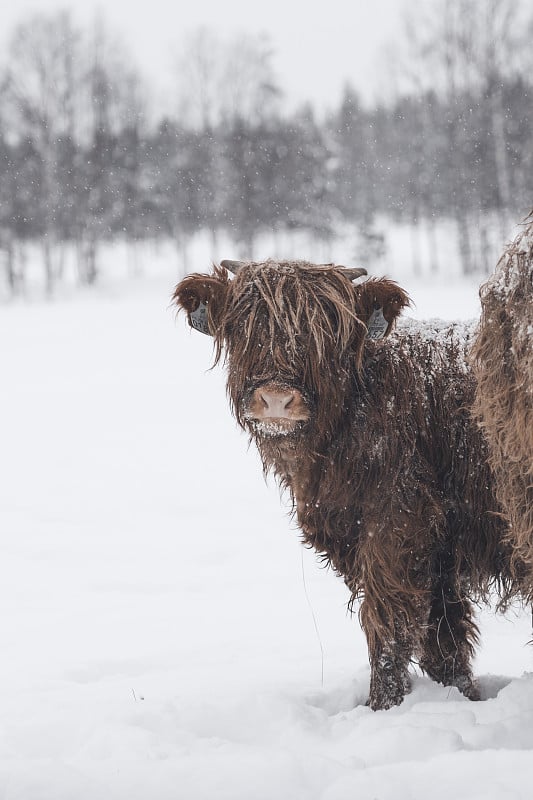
502, 362
294, 318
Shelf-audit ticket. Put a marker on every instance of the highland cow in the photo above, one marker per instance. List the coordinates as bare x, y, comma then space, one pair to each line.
502, 362
369, 429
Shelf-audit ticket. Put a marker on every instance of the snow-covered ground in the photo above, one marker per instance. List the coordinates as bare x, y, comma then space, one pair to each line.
163, 633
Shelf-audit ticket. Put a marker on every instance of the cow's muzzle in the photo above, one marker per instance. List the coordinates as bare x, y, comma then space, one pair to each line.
276, 410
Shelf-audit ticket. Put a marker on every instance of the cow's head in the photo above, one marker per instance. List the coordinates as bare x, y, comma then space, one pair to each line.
292, 333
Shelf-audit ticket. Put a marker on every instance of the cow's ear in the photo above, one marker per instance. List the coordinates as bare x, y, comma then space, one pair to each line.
380, 302
203, 297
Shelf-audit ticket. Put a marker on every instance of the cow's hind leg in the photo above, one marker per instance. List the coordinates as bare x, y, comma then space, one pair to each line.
451, 634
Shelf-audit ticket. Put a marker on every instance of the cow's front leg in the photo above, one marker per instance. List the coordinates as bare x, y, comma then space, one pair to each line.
393, 616
390, 657
392, 572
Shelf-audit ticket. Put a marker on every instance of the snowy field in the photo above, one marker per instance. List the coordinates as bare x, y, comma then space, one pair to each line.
164, 635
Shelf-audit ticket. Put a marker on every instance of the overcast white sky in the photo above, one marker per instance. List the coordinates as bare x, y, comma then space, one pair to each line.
318, 45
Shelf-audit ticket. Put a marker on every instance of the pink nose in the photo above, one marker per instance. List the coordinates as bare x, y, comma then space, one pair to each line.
272, 401
276, 403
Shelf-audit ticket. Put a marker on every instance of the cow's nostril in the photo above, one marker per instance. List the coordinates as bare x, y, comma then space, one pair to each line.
264, 400
290, 401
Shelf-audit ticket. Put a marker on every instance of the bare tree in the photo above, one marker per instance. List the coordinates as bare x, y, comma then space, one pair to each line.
465, 50
113, 118
249, 89
225, 79
40, 96
198, 72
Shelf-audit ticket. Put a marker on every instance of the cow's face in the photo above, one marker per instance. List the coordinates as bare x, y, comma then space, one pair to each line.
293, 335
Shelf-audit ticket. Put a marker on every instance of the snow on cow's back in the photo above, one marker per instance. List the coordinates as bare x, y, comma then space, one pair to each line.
437, 345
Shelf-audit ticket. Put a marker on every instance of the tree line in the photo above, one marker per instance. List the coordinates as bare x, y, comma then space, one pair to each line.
84, 161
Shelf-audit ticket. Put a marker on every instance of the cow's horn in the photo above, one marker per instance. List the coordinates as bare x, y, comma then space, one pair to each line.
353, 272
232, 266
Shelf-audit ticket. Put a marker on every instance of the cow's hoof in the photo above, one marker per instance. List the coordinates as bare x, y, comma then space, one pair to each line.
468, 686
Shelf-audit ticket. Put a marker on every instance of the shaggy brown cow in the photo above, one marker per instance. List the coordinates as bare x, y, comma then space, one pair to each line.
369, 429
502, 361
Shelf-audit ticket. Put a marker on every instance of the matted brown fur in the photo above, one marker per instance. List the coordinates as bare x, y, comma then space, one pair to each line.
502, 361
389, 475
